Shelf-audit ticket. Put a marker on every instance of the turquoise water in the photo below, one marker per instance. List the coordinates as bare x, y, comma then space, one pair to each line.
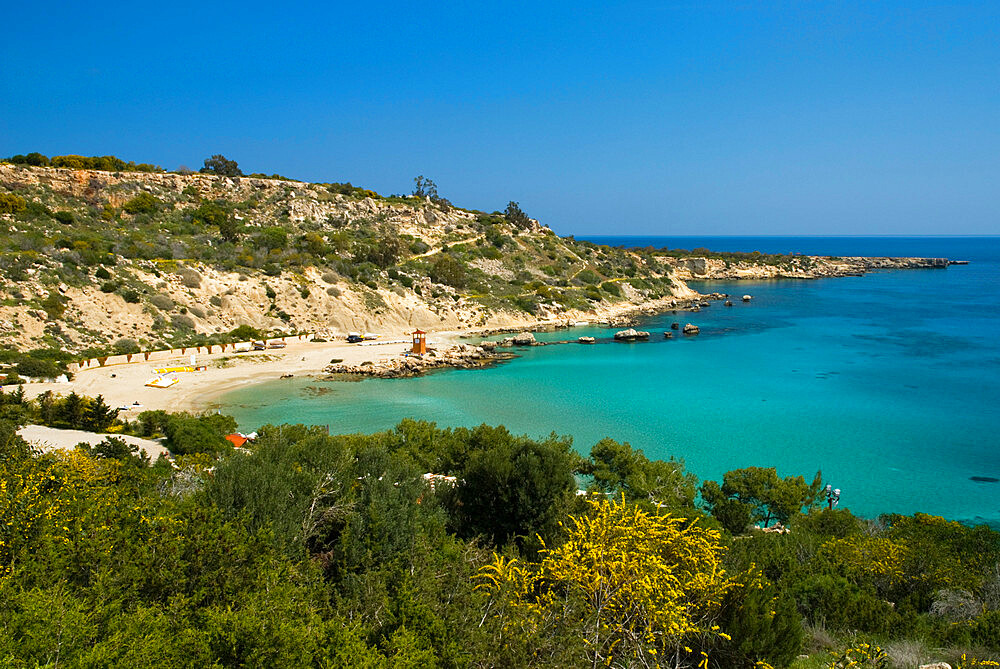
888, 383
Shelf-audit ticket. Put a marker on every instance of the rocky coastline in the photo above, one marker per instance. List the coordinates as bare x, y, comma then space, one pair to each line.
460, 356
798, 267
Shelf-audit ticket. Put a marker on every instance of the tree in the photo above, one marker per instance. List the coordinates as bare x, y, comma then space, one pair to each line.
758, 493
221, 166
631, 585
116, 448
98, 416
618, 469
202, 434
449, 270
516, 217
71, 411
517, 488
423, 187
273, 237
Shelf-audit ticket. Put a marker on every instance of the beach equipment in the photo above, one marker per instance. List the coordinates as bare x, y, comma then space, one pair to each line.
162, 381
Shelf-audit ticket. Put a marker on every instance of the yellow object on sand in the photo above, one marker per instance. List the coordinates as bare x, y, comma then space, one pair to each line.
162, 382
168, 370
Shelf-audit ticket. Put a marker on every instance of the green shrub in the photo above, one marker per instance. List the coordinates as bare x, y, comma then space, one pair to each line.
125, 346
11, 204
131, 296
162, 302
143, 203
204, 434
54, 305
190, 278
38, 368
64, 217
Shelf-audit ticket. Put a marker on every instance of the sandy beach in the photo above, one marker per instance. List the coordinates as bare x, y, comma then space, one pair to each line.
124, 384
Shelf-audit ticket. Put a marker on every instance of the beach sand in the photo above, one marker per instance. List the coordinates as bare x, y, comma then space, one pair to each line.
50, 438
124, 384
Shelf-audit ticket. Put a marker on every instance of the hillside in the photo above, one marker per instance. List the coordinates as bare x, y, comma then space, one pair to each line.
95, 260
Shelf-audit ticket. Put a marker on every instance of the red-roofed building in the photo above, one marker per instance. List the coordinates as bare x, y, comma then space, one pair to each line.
237, 439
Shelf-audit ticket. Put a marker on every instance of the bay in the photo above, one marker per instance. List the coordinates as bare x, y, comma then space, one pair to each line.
888, 383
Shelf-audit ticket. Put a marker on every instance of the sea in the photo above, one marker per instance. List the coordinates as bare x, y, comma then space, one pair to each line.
889, 383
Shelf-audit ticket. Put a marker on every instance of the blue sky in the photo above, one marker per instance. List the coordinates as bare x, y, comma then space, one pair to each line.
644, 118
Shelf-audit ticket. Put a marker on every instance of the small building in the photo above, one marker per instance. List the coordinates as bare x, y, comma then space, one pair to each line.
237, 440
419, 342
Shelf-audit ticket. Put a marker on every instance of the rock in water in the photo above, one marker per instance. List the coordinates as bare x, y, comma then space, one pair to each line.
668, 335
747, 298
675, 326
690, 329
631, 335
729, 303
586, 340
524, 339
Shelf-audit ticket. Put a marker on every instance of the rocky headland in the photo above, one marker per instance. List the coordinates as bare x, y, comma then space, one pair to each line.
796, 267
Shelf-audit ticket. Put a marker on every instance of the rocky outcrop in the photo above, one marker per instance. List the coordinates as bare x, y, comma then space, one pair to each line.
524, 339
462, 356
691, 329
631, 335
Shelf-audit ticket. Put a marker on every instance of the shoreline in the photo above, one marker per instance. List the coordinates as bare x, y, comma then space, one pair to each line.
123, 384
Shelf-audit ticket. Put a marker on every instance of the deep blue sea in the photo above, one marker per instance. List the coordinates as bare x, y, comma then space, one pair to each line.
888, 383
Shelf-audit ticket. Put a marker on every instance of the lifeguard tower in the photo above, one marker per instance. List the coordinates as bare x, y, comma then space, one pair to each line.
419, 342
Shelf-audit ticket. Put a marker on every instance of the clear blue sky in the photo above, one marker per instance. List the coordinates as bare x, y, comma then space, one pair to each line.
648, 118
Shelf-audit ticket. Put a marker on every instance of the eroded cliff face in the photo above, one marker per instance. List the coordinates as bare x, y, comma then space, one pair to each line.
300, 298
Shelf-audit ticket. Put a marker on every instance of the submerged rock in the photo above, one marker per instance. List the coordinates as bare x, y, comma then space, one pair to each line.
675, 326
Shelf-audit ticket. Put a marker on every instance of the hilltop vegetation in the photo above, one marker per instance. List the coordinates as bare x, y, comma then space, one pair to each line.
181, 258
335, 551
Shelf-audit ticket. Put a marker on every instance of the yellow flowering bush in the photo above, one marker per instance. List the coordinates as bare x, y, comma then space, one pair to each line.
861, 656
642, 583
967, 662
878, 559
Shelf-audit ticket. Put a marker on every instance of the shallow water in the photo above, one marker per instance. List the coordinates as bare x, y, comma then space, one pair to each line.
888, 383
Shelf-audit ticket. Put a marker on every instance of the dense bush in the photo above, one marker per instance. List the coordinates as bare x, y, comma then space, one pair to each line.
12, 204
314, 549
143, 203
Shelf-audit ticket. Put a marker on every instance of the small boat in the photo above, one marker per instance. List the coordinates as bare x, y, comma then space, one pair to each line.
371, 335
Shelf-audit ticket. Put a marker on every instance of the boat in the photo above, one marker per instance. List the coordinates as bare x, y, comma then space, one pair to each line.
371, 335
